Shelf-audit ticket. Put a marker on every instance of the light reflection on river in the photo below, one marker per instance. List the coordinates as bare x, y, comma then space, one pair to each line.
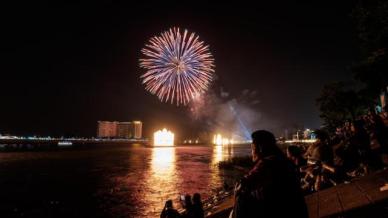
161, 175
110, 181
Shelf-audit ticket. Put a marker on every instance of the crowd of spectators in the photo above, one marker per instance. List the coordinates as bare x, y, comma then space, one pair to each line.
356, 148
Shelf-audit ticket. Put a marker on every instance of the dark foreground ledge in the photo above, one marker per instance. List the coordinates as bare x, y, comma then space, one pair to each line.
363, 197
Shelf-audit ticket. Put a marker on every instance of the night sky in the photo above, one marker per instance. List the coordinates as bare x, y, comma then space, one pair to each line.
64, 67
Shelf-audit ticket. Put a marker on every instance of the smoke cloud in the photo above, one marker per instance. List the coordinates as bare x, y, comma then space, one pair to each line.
235, 117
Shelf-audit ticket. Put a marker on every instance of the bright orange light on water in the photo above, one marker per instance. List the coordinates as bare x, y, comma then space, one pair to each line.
163, 138
219, 140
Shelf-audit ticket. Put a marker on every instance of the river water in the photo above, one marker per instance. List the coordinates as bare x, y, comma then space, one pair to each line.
109, 181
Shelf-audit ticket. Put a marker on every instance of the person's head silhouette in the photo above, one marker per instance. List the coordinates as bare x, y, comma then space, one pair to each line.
197, 198
263, 145
188, 202
169, 204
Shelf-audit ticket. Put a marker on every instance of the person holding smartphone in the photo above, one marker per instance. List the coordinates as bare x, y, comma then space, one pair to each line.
169, 211
188, 206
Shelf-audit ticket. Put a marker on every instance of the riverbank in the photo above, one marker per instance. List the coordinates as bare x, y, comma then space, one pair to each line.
363, 197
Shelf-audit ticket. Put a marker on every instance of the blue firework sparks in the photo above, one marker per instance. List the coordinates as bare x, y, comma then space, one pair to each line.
178, 66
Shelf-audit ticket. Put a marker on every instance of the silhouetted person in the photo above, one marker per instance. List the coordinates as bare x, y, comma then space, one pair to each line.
384, 117
322, 152
360, 138
168, 211
197, 206
379, 130
294, 154
360, 141
188, 206
225, 186
271, 188
322, 161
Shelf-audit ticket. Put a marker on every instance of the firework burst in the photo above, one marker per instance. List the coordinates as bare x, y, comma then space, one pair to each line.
178, 66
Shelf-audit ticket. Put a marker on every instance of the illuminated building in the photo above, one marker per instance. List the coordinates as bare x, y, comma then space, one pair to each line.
115, 129
107, 129
137, 129
124, 130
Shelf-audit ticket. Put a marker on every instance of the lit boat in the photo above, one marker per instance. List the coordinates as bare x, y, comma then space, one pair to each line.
65, 143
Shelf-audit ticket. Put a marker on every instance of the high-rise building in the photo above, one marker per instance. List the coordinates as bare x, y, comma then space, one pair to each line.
137, 129
124, 130
107, 129
114, 129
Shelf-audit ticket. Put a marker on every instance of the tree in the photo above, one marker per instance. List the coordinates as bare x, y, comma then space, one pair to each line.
337, 102
371, 20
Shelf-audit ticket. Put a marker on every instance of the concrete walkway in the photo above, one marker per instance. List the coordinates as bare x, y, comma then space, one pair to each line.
364, 197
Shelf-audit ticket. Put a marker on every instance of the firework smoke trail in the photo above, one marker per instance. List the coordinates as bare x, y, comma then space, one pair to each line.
179, 66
